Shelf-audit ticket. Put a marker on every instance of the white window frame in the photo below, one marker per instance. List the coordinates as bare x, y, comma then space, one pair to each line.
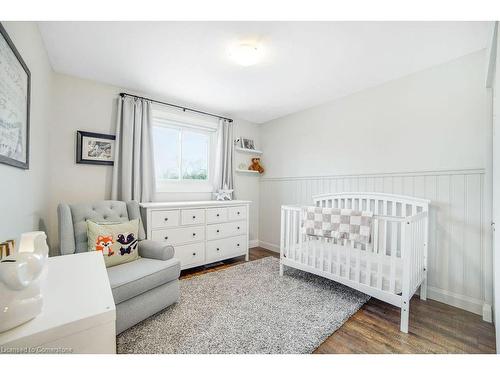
187, 185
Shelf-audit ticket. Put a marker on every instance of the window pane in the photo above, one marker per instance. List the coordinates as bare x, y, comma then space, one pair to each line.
166, 149
194, 156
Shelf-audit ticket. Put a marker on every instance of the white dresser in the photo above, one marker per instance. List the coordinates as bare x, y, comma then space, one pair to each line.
201, 232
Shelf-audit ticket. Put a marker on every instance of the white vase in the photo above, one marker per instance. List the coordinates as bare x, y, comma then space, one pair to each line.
20, 277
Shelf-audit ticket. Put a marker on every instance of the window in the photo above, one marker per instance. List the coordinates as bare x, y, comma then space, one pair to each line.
182, 155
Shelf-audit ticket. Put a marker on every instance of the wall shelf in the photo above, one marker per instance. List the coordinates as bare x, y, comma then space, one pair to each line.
246, 171
248, 151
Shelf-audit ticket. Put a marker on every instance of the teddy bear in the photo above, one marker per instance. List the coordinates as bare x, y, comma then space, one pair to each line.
255, 166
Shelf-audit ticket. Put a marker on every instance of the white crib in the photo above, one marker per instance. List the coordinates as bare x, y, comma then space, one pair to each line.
391, 267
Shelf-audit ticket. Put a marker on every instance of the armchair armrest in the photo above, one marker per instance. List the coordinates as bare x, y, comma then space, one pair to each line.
155, 250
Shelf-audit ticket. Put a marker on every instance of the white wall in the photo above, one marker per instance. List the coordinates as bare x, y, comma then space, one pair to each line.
428, 135
247, 185
87, 105
433, 120
23, 193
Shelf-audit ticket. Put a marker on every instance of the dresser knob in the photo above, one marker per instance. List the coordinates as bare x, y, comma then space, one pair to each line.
218, 249
217, 215
237, 244
194, 254
217, 231
238, 228
166, 219
238, 212
194, 217
194, 234
166, 237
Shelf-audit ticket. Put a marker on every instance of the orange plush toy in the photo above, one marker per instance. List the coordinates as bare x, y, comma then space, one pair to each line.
255, 166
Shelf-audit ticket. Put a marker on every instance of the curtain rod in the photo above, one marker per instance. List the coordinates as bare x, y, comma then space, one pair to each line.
123, 94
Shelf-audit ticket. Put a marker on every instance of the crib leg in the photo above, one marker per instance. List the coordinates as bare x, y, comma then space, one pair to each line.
405, 316
423, 290
281, 269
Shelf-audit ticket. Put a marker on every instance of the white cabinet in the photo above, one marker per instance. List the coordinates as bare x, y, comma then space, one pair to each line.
78, 314
201, 232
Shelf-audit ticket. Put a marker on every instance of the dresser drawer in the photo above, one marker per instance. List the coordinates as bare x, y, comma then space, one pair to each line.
237, 213
216, 215
176, 236
190, 255
193, 217
164, 219
226, 248
222, 230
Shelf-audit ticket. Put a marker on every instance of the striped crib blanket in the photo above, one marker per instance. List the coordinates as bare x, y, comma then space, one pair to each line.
337, 223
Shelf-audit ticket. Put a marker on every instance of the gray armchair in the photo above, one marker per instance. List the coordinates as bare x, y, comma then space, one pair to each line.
140, 288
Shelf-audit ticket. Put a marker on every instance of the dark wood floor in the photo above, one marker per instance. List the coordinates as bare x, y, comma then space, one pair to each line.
434, 326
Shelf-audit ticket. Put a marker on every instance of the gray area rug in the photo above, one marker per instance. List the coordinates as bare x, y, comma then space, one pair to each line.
247, 308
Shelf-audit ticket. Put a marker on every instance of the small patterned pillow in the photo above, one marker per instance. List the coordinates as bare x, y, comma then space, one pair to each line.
118, 242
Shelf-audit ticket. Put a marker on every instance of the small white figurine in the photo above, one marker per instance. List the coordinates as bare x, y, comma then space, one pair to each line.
20, 276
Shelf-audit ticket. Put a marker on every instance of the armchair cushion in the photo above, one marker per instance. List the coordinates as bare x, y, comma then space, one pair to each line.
131, 279
117, 242
155, 250
73, 221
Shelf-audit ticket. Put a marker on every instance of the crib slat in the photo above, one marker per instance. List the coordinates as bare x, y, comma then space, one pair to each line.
322, 254
379, 265
384, 228
330, 257
313, 251
337, 258
348, 261
357, 277
392, 282
287, 233
282, 233
294, 235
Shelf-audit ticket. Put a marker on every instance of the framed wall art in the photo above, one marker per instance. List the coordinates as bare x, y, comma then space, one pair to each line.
95, 148
15, 81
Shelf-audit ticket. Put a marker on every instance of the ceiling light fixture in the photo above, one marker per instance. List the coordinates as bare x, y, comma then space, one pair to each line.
246, 54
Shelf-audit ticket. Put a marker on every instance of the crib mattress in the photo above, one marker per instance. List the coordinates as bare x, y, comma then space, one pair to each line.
368, 268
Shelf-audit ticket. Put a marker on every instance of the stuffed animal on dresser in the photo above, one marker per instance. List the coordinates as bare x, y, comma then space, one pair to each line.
255, 166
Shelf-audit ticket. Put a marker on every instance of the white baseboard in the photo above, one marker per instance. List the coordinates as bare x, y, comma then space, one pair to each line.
472, 305
487, 313
253, 243
269, 246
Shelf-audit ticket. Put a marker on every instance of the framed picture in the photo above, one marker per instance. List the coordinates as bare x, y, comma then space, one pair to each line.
247, 143
15, 81
95, 148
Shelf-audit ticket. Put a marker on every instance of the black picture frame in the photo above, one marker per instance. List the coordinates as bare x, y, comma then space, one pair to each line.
6, 159
80, 159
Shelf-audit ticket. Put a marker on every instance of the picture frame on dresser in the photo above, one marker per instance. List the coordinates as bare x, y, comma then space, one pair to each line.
15, 97
202, 232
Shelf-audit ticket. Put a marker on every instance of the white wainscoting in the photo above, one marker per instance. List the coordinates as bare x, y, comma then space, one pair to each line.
460, 236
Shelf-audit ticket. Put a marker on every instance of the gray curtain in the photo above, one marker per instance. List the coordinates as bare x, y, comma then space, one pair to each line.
133, 172
224, 159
